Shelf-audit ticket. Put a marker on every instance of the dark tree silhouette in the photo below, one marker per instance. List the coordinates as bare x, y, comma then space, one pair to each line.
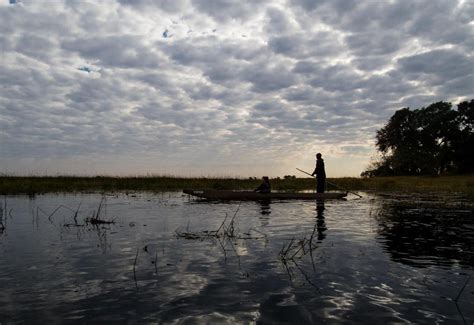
426, 141
464, 154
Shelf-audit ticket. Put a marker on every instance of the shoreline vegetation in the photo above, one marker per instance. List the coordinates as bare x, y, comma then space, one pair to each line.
33, 185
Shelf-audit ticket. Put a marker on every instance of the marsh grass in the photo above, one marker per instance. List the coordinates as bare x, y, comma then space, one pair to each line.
96, 217
55, 184
225, 231
227, 235
461, 184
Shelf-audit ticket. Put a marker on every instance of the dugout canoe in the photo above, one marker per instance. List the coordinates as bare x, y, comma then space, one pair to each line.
250, 195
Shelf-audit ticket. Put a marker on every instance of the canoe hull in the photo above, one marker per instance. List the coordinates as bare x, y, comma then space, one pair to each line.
250, 195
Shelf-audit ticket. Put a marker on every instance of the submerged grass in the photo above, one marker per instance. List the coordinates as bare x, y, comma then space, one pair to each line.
32, 185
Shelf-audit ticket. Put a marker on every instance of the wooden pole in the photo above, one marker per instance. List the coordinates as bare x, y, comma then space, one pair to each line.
342, 188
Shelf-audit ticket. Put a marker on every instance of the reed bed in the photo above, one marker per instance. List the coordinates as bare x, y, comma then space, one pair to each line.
32, 185
461, 184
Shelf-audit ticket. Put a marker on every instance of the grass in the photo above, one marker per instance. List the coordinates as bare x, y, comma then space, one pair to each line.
32, 185
463, 184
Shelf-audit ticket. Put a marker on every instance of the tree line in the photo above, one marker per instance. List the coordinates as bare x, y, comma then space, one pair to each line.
431, 140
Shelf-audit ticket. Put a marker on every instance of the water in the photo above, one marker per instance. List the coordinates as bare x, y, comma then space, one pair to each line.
376, 259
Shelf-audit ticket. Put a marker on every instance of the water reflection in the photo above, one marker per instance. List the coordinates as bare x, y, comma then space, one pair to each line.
320, 222
265, 212
300, 250
424, 234
3, 216
136, 270
2, 226
265, 207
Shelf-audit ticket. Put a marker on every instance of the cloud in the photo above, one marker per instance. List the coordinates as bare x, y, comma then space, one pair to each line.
437, 65
374, 43
301, 46
238, 88
171, 6
224, 10
115, 51
267, 79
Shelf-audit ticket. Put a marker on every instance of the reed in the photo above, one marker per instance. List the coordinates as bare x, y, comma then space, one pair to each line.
48, 184
33, 185
462, 184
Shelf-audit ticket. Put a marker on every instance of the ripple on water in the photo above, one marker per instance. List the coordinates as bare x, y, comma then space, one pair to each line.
376, 259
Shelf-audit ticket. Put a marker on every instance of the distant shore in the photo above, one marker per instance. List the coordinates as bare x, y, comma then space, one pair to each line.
32, 185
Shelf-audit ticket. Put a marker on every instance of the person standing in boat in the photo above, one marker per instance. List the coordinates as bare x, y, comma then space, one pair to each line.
265, 187
320, 174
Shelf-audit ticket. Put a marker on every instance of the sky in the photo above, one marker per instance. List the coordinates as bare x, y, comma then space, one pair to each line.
219, 88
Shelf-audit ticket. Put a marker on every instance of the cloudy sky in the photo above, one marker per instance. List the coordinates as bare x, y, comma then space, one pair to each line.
219, 87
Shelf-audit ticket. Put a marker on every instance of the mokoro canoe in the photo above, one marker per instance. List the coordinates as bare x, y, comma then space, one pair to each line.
250, 195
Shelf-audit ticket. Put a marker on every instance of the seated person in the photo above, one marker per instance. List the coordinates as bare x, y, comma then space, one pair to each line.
265, 187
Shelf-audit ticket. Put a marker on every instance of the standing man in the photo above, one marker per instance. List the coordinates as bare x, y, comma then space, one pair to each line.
320, 174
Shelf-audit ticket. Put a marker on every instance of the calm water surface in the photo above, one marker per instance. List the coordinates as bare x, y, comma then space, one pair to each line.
375, 259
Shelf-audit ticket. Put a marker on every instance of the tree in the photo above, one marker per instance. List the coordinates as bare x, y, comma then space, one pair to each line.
429, 140
439, 129
398, 142
465, 144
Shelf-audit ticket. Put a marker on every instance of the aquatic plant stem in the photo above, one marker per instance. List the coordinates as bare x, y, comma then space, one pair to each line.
462, 289
134, 266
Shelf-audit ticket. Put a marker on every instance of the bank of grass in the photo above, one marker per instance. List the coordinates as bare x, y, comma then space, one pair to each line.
459, 184
57, 184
